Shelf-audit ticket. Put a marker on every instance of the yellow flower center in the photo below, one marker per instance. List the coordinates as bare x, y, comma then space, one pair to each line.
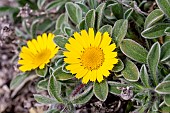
92, 58
42, 57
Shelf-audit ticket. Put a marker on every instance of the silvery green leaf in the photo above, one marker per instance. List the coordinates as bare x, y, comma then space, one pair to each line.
164, 5
92, 3
133, 50
43, 84
115, 87
60, 75
40, 3
83, 7
117, 10
153, 17
106, 28
90, 18
101, 90
130, 71
118, 67
54, 4
144, 76
128, 13
100, 12
153, 60
165, 51
60, 40
84, 97
54, 88
167, 99
167, 31
43, 99
42, 72
18, 80
155, 31
74, 12
119, 31
163, 87
61, 20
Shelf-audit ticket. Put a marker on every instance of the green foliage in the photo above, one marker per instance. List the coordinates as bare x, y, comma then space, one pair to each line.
101, 90
141, 31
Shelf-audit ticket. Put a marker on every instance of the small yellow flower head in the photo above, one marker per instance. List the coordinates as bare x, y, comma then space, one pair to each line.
90, 56
38, 53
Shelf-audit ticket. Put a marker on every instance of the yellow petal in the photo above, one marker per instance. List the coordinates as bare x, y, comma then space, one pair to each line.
105, 40
86, 77
97, 40
91, 35
81, 74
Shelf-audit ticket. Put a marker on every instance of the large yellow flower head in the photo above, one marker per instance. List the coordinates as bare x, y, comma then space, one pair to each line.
90, 56
38, 53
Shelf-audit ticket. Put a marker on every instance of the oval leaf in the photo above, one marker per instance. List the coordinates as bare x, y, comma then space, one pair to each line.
167, 100
128, 13
60, 75
165, 51
119, 31
90, 18
153, 60
163, 88
99, 11
74, 12
118, 67
106, 28
115, 87
130, 71
43, 84
155, 31
133, 50
54, 88
41, 72
60, 21
101, 90
153, 17
164, 5
117, 10
60, 40
144, 76
43, 99
18, 80
83, 97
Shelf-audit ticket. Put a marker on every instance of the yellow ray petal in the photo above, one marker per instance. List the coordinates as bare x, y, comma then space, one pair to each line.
81, 73
105, 40
86, 77
91, 35
97, 40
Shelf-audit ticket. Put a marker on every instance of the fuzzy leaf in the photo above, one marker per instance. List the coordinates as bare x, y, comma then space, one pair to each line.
54, 88
74, 12
164, 5
83, 7
43, 84
133, 50
165, 51
155, 31
167, 100
43, 99
34, 28
153, 60
54, 4
100, 11
18, 80
82, 25
83, 97
61, 20
92, 3
119, 31
153, 17
118, 67
128, 13
144, 76
114, 87
167, 78
167, 31
163, 88
90, 18
60, 75
42, 72
117, 10
60, 40
101, 90
130, 71
106, 28
40, 3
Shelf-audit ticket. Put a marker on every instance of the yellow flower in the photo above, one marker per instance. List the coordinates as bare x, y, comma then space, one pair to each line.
90, 56
38, 53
